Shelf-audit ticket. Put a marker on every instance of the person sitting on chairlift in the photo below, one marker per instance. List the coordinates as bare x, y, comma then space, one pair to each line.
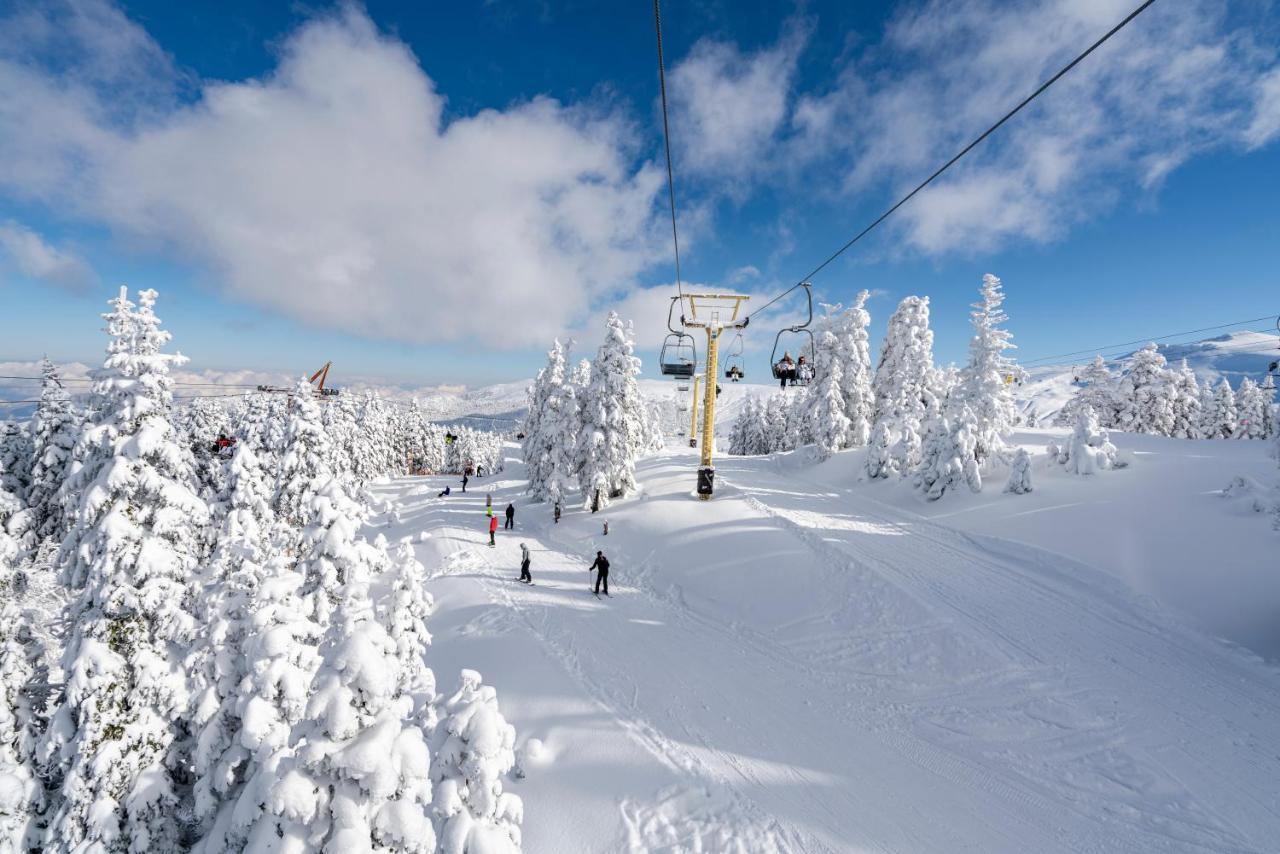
735, 373
803, 372
786, 369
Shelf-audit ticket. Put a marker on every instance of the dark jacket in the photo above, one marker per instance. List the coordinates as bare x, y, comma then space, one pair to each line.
602, 564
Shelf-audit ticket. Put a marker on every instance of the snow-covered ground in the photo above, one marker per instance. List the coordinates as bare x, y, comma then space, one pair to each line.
811, 664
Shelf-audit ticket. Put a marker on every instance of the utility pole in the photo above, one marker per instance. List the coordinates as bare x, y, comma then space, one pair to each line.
693, 410
713, 307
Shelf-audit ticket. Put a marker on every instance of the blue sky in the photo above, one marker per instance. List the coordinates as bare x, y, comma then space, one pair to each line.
429, 192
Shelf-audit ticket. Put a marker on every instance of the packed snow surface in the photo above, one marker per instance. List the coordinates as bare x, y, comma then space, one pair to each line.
809, 664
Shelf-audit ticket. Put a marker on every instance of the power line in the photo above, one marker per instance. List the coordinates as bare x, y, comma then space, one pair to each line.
927, 181
1145, 340
666, 139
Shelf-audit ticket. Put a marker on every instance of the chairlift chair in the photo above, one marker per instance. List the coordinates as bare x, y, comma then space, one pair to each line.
801, 331
734, 369
679, 356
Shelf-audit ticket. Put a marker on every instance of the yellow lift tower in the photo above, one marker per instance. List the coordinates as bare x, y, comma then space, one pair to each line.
714, 313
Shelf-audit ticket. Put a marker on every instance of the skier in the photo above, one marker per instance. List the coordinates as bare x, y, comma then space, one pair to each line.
511, 517
464, 481
606, 527
557, 512
443, 493
493, 527
524, 565
488, 500
601, 566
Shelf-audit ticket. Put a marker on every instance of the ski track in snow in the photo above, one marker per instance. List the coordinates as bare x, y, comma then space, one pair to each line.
944, 665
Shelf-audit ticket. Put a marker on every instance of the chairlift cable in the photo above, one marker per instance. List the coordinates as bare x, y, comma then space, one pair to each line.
666, 139
927, 181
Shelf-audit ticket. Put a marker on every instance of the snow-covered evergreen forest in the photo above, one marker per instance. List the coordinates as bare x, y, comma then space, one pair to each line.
200, 648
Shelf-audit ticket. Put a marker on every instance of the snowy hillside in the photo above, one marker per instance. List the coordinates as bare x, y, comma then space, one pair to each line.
813, 664
1232, 356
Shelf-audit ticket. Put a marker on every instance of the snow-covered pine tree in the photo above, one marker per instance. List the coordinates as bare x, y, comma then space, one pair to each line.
115, 744
22, 798
1097, 391
199, 425
281, 651
947, 456
738, 431
473, 748
1251, 411
1220, 418
405, 617
824, 411
54, 429
1146, 394
613, 420
983, 384
360, 752
853, 352
1088, 449
903, 376
542, 426
795, 429
217, 665
1186, 403
775, 423
1019, 482
17, 531
304, 464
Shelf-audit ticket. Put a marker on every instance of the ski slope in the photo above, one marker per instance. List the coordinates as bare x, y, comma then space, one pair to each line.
804, 668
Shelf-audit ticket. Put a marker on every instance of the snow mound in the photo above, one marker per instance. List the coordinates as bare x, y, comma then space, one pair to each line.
704, 820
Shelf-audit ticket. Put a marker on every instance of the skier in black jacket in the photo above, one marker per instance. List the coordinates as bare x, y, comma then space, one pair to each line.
602, 572
511, 517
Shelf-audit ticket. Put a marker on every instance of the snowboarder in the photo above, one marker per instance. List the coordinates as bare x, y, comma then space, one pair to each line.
606, 527
493, 527
442, 493
557, 512
479, 471
511, 517
601, 566
488, 499
464, 481
524, 565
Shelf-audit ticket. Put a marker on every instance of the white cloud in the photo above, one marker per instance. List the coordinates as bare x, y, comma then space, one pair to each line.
1266, 119
31, 256
1176, 82
729, 106
333, 191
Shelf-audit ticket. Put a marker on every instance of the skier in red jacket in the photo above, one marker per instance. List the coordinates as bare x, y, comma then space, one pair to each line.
493, 527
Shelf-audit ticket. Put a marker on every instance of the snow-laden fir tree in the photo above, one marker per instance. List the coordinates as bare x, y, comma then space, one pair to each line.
303, 468
543, 439
947, 457
1220, 418
613, 415
904, 374
1097, 391
852, 351
795, 428
217, 665
824, 410
54, 429
364, 760
1088, 449
985, 383
115, 744
22, 798
281, 651
405, 617
1145, 394
1251, 411
1186, 403
473, 748
199, 425
16, 521
1019, 482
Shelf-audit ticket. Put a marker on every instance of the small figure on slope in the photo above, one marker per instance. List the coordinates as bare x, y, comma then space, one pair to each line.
511, 517
524, 564
601, 566
493, 528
